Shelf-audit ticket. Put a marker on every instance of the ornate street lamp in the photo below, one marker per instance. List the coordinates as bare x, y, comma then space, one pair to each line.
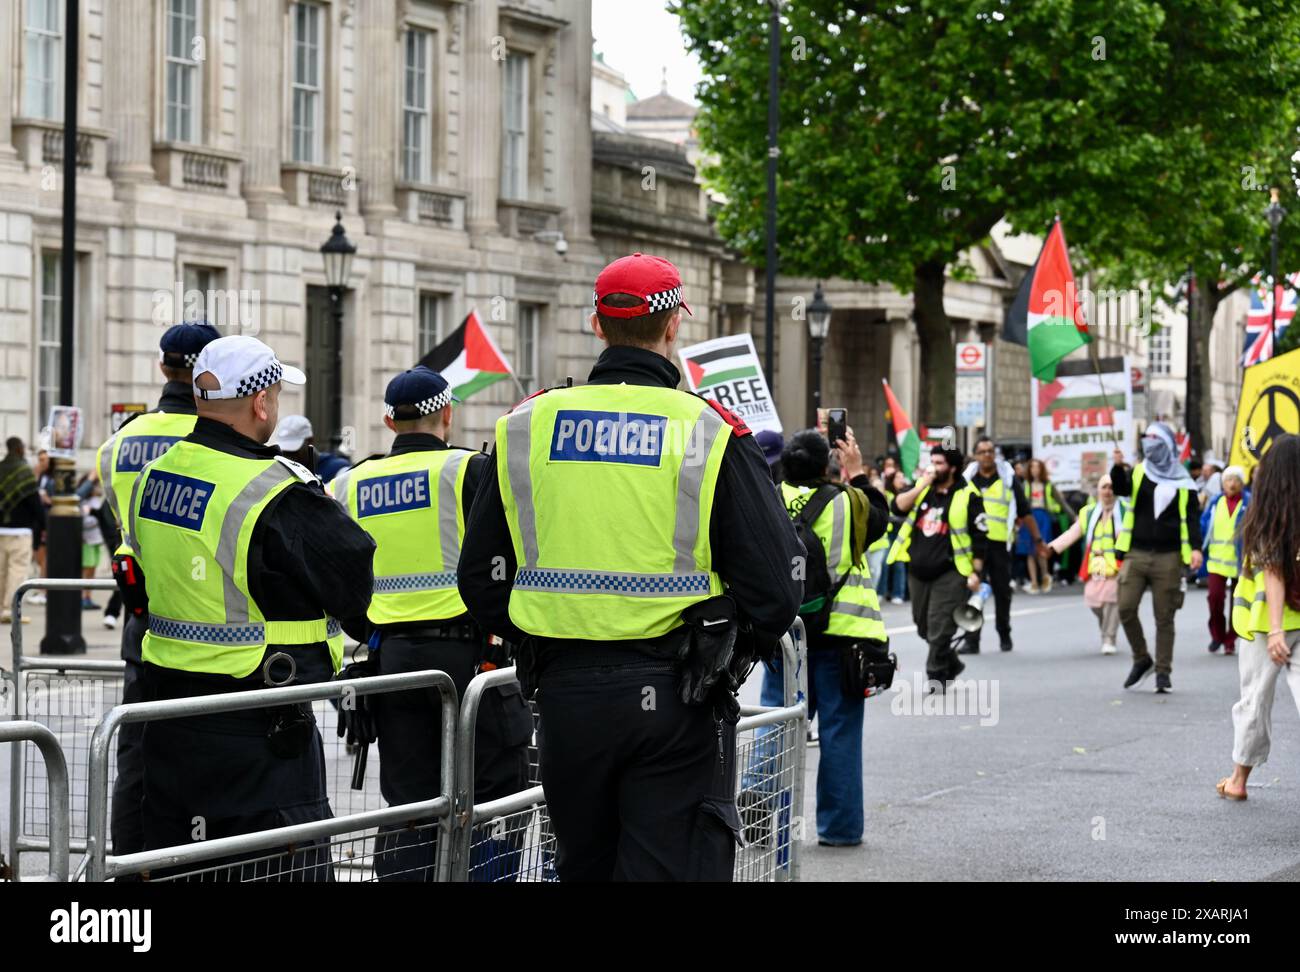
337, 253
819, 326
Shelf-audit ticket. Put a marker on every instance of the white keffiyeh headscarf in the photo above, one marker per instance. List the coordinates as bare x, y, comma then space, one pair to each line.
1160, 464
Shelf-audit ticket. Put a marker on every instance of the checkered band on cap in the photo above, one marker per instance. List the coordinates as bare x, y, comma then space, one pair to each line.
664, 299
187, 360
426, 407
254, 383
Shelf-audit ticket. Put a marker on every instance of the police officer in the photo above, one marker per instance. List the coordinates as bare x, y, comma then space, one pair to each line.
140, 440
614, 517
414, 503
246, 564
1005, 506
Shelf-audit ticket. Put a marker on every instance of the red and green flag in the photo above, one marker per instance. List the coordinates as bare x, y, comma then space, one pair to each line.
909, 443
1046, 315
469, 359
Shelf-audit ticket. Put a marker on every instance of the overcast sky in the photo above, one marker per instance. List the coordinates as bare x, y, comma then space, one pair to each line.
640, 38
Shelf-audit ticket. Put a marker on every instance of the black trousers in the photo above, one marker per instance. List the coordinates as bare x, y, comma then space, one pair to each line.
217, 776
997, 571
128, 787
640, 786
410, 757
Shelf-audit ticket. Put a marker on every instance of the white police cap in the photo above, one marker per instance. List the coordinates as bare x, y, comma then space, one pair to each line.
243, 366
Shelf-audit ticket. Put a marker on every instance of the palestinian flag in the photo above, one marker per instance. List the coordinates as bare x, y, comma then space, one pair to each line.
909, 443
1046, 315
725, 362
469, 359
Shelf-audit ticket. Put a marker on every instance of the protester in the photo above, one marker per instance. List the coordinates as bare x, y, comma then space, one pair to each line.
1212, 474
1005, 506
1222, 544
293, 435
1159, 535
1047, 507
92, 536
893, 578
22, 516
944, 543
1098, 526
1266, 607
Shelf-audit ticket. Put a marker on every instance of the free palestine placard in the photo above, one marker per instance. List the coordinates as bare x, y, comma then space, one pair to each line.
728, 371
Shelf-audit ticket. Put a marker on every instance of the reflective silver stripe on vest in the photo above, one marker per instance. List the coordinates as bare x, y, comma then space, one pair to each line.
838, 509
106, 476
250, 633
519, 448
859, 580
401, 583
1224, 563
560, 581
339, 486
856, 610
228, 545
690, 480
448, 509
128, 526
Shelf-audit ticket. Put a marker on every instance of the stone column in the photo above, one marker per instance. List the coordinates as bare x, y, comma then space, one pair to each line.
901, 341
378, 55
128, 91
573, 67
8, 78
481, 131
261, 98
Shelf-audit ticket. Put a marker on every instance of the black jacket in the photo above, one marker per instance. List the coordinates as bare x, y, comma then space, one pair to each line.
752, 539
306, 557
1156, 534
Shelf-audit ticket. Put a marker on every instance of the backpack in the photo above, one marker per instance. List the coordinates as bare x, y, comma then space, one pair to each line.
818, 590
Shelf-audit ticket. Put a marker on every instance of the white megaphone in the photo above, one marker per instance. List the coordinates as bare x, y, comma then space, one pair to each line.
970, 616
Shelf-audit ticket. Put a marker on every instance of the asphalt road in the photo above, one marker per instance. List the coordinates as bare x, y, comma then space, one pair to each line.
1078, 779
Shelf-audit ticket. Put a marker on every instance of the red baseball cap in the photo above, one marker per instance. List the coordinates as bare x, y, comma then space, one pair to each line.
652, 278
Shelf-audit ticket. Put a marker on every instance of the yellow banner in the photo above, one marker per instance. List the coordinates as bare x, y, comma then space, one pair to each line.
1269, 405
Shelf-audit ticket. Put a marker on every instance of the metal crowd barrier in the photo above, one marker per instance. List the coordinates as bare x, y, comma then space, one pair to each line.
282, 854
19, 731
510, 839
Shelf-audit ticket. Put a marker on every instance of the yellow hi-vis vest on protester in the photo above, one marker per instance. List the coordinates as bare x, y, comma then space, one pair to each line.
191, 521
958, 530
997, 506
410, 505
608, 491
1223, 538
855, 611
138, 443
1250, 608
1126, 526
1099, 539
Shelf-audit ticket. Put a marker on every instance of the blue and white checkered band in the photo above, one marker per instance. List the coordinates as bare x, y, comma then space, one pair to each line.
595, 301
254, 383
426, 407
188, 359
664, 300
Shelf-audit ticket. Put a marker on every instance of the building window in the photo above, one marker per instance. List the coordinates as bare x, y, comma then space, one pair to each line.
1159, 352
47, 338
306, 87
514, 127
417, 119
182, 111
527, 330
43, 42
430, 323
205, 297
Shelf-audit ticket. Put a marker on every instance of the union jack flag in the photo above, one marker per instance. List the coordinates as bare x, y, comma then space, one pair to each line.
1260, 337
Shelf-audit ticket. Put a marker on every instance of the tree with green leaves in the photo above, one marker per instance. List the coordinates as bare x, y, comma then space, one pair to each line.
909, 129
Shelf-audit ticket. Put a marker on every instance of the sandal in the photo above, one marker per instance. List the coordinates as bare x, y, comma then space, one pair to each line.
1222, 788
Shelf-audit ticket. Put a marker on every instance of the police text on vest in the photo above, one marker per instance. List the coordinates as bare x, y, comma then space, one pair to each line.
393, 494
177, 500
627, 437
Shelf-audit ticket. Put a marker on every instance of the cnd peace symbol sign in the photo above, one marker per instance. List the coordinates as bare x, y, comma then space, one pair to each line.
1272, 403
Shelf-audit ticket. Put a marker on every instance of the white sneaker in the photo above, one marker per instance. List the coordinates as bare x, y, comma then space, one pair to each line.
1108, 649
36, 597
110, 622
895, 600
